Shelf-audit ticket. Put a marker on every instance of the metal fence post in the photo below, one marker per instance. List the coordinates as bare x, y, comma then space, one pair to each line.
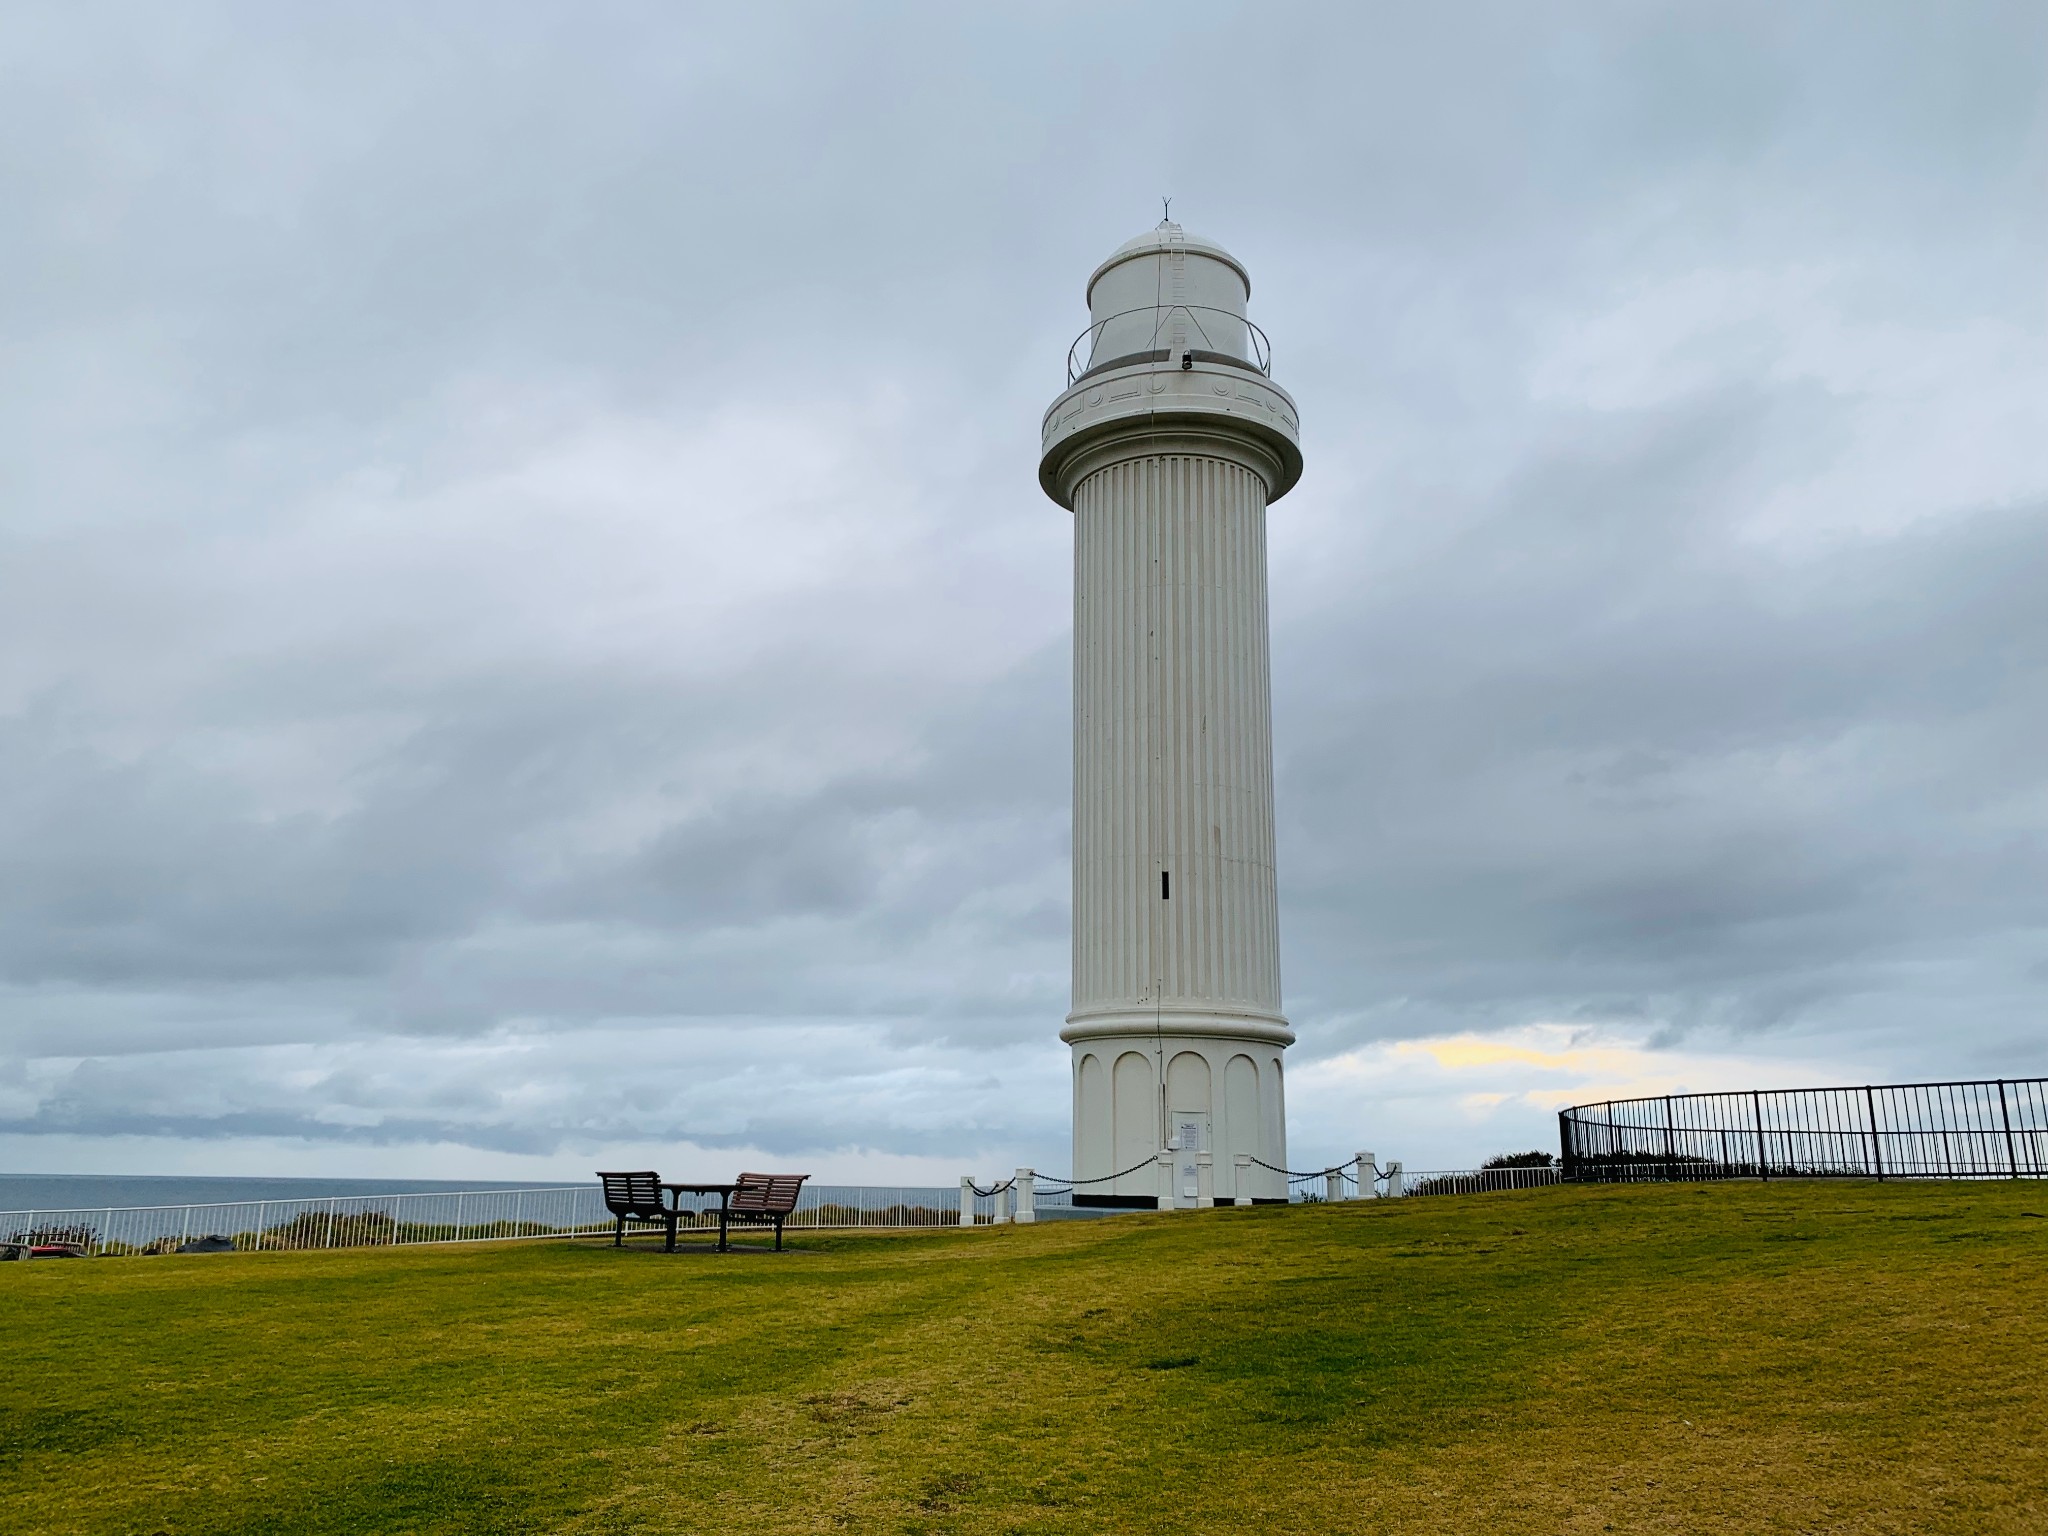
1870, 1116
1763, 1161
1366, 1163
2012, 1156
1027, 1196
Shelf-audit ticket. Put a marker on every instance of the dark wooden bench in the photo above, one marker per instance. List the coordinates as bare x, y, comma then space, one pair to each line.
637, 1197
759, 1199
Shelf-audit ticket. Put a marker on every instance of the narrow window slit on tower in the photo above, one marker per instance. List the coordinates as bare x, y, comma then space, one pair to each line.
1165, 890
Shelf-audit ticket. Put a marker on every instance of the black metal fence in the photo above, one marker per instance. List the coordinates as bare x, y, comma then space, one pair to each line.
1984, 1130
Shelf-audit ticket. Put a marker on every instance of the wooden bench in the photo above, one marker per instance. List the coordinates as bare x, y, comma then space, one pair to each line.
759, 1199
637, 1197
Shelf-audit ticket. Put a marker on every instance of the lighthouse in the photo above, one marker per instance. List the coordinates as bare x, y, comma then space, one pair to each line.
1168, 444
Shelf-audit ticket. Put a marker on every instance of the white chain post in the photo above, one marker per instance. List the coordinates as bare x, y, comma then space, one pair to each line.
1243, 1170
966, 1201
1163, 1167
1002, 1214
1027, 1195
1205, 1180
1333, 1185
1366, 1187
1394, 1183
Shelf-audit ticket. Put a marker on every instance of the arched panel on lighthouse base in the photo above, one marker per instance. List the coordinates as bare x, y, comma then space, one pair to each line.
1273, 1143
1092, 1118
1187, 1084
1241, 1131
1136, 1121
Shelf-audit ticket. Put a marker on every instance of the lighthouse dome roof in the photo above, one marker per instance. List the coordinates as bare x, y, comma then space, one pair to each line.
1167, 236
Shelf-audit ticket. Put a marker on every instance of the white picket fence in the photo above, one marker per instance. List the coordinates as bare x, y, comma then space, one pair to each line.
458, 1216
1361, 1178
577, 1210
1479, 1181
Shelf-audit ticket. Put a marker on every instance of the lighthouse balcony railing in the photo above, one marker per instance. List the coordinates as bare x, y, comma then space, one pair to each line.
1208, 332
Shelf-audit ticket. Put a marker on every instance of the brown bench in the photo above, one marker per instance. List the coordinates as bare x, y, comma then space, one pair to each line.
637, 1197
759, 1199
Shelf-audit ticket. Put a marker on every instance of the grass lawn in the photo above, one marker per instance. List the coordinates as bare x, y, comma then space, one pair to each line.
1840, 1357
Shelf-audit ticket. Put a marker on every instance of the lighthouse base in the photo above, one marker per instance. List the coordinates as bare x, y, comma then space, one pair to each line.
1179, 1117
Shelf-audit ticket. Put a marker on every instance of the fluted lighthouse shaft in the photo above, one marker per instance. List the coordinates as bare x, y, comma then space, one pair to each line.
1168, 444
1173, 757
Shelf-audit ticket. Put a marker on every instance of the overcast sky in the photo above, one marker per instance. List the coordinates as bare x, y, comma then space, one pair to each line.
529, 634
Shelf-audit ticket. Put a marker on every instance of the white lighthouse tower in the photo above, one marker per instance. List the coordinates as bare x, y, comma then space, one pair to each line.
1167, 446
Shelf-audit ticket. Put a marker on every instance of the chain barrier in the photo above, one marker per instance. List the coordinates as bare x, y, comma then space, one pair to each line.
1049, 1178
1344, 1167
1062, 1183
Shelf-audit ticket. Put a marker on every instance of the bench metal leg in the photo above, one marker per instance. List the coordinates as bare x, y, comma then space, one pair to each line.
619, 1234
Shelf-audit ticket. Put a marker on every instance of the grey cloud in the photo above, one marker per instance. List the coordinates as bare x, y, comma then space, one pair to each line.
1596, 742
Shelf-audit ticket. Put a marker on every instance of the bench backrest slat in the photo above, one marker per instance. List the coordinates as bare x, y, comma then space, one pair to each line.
632, 1194
767, 1194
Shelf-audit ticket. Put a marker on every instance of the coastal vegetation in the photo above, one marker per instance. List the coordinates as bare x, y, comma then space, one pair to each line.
1785, 1357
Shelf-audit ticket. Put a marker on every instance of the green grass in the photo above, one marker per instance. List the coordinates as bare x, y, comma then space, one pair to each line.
1784, 1357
